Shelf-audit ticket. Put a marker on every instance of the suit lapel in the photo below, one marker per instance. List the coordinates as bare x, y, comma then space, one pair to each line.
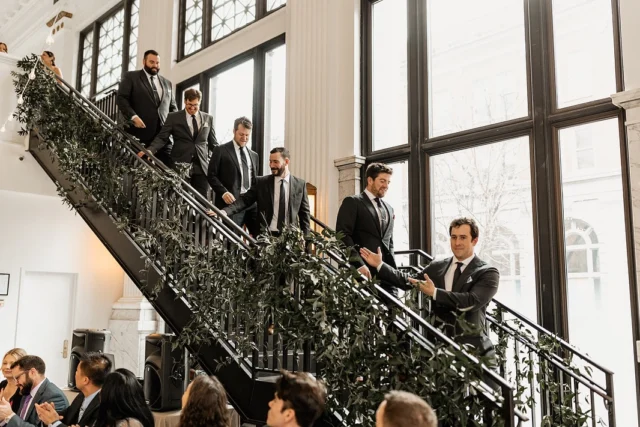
389, 220
92, 406
468, 271
145, 82
440, 273
36, 398
232, 153
372, 210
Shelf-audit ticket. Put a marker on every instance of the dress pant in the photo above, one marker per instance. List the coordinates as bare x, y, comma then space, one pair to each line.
248, 217
198, 179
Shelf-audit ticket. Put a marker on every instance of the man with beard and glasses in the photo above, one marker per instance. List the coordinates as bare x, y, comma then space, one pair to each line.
28, 372
281, 198
146, 98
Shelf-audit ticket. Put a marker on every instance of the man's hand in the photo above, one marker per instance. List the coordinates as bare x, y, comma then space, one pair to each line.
214, 214
141, 154
228, 198
137, 122
374, 260
5, 409
47, 413
426, 286
365, 271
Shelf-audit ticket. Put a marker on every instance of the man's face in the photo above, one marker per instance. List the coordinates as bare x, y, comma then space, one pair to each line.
192, 107
278, 164
23, 379
277, 417
241, 135
462, 244
380, 414
81, 379
380, 185
152, 64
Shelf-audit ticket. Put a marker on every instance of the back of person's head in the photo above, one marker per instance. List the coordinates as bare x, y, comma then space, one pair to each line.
302, 393
96, 367
28, 362
401, 409
122, 397
206, 404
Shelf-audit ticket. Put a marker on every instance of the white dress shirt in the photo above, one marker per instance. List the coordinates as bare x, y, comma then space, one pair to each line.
448, 276
248, 157
375, 205
276, 200
190, 122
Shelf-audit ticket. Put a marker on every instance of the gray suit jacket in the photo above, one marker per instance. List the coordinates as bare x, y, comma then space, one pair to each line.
185, 149
48, 392
469, 297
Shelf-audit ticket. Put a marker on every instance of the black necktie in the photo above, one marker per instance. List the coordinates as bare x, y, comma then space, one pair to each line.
245, 169
195, 126
156, 96
281, 204
457, 274
383, 214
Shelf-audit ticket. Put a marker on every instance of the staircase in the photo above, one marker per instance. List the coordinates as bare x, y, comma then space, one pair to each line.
126, 211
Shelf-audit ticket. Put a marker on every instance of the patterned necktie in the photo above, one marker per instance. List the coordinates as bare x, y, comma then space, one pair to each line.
245, 168
383, 214
25, 405
281, 206
194, 123
156, 96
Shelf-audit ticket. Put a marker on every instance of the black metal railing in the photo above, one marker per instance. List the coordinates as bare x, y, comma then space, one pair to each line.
106, 102
125, 199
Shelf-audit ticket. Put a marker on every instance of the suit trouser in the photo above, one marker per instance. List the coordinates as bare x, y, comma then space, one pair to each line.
248, 217
198, 180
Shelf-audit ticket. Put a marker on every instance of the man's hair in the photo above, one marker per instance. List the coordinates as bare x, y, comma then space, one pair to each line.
283, 152
29, 362
375, 169
191, 94
475, 232
95, 366
150, 52
406, 409
302, 393
244, 121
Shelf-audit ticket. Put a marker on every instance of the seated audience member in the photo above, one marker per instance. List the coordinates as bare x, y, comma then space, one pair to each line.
298, 402
204, 404
3, 48
35, 388
49, 60
8, 387
90, 375
122, 402
402, 409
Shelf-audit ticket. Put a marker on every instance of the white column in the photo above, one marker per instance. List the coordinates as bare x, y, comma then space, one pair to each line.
8, 63
350, 178
323, 93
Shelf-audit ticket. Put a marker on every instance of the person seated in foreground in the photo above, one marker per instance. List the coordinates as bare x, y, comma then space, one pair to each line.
9, 387
402, 409
298, 402
122, 402
204, 404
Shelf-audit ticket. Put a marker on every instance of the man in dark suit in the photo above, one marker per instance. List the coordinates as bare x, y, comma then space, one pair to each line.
232, 171
193, 140
366, 221
146, 98
281, 198
460, 286
35, 388
90, 374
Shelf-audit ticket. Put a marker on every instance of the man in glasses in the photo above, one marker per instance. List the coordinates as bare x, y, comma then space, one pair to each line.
29, 373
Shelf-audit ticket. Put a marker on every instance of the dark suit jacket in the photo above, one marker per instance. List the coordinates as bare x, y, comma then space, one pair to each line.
48, 392
185, 149
89, 417
358, 220
262, 194
224, 172
470, 295
135, 97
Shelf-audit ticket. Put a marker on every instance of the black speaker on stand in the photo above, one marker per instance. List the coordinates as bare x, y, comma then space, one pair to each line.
83, 341
163, 373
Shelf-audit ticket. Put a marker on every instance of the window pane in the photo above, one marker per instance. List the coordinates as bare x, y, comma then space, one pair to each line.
229, 15
598, 280
193, 26
231, 95
583, 50
274, 4
398, 197
110, 51
133, 37
87, 57
477, 64
274, 99
389, 74
492, 184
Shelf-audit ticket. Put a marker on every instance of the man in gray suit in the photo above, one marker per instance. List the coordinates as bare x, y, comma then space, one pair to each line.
28, 372
460, 286
193, 140
146, 98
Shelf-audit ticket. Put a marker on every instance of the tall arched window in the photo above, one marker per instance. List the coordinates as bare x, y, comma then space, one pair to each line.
583, 257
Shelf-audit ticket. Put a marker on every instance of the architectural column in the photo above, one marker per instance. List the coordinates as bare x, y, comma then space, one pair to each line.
349, 175
8, 63
323, 93
132, 319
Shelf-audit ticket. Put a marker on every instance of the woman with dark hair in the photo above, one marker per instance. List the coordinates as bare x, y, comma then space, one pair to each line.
9, 387
204, 404
49, 60
122, 402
